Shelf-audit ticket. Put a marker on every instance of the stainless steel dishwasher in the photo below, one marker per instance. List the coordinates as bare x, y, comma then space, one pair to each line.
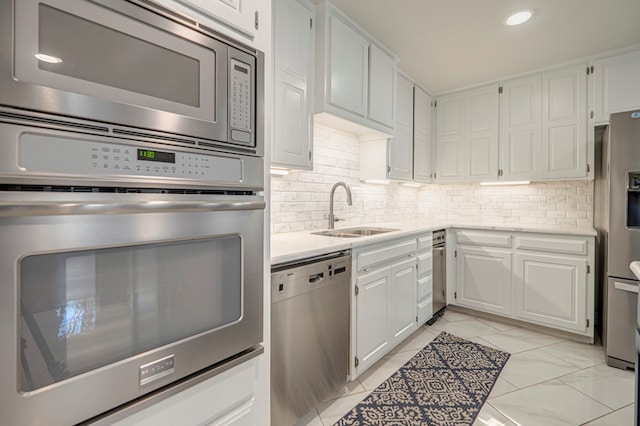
309, 333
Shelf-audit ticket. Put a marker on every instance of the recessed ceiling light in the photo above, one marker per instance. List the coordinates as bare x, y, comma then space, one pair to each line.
518, 18
47, 58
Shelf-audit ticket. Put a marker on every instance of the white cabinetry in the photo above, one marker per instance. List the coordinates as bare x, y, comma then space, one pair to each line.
293, 62
484, 271
564, 123
541, 132
240, 16
355, 78
384, 303
401, 146
520, 128
467, 129
425, 278
422, 145
544, 279
228, 399
616, 86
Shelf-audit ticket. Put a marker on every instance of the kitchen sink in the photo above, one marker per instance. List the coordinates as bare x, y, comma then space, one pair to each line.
362, 231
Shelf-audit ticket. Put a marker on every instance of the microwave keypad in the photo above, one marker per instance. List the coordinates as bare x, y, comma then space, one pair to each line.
240, 101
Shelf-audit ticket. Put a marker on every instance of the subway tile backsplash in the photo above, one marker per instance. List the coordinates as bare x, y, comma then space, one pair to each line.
300, 200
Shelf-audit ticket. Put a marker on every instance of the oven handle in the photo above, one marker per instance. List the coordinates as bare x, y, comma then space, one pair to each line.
105, 208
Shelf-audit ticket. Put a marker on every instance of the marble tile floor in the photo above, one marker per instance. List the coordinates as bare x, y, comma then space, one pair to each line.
547, 381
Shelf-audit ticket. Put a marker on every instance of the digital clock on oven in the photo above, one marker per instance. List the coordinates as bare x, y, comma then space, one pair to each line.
152, 155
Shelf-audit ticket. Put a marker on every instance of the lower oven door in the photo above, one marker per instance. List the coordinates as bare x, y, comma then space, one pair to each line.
106, 297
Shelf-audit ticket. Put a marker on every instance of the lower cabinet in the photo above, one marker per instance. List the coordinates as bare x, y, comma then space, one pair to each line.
484, 279
544, 279
384, 304
425, 278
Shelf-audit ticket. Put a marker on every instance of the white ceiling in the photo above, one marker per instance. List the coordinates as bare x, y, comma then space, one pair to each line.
449, 44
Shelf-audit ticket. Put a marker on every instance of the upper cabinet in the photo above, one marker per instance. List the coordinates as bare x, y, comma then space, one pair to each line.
467, 135
615, 84
401, 146
234, 17
422, 142
355, 78
293, 91
541, 132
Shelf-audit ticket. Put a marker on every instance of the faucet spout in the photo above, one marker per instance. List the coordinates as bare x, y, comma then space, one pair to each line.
332, 218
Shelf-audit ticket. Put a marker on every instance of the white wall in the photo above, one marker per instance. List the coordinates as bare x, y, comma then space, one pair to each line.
300, 200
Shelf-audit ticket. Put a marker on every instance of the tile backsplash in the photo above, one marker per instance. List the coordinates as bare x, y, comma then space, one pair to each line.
300, 200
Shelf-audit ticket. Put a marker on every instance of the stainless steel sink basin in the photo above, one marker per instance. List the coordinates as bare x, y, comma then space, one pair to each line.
361, 231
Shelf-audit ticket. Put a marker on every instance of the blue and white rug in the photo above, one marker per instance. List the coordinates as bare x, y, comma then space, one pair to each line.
445, 384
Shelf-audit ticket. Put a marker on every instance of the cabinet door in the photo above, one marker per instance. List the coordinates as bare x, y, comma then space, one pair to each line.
237, 14
401, 147
616, 85
551, 289
450, 128
382, 87
403, 299
347, 79
422, 147
564, 123
520, 127
372, 317
293, 57
482, 133
484, 279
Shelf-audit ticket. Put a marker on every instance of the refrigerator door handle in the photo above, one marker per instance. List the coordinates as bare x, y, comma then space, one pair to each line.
626, 287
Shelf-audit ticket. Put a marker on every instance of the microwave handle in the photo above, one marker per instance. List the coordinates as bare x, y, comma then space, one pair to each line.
8, 209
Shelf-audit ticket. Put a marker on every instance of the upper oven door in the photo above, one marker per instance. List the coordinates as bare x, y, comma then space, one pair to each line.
106, 297
120, 63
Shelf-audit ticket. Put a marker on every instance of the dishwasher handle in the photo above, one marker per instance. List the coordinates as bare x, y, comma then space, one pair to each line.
316, 278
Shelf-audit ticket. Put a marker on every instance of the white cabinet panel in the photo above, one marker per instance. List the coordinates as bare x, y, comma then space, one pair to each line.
616, 85
422, 145
348, 67
482, 133
373, 316
401, 147
520, 128
403, 299
564, 123
293, 60
484, 279
550, 290
382, 87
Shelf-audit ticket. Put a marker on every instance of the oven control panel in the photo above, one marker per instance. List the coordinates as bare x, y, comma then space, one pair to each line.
52, 154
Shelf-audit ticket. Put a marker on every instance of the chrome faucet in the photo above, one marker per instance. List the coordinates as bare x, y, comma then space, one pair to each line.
332, 218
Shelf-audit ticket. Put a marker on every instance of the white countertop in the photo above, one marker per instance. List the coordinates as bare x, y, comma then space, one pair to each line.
635, 268
287, 247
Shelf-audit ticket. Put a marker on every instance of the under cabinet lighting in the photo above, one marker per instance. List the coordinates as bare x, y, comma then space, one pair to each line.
377, 181
279, 172
47, 58
514, 182
518, 18
411, 184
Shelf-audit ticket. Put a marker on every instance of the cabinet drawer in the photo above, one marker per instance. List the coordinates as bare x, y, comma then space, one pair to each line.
425, 263
494, 239
559, 244
425, 287
384, 253
425, 242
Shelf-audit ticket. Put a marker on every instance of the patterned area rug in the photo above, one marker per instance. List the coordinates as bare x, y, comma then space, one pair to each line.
445, 384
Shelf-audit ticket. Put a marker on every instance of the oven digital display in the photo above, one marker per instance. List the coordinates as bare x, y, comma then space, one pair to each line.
151, 155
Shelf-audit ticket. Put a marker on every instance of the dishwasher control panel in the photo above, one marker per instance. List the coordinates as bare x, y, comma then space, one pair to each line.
309, 275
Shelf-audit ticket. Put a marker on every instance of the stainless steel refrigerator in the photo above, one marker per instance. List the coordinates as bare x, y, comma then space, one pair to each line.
617, 219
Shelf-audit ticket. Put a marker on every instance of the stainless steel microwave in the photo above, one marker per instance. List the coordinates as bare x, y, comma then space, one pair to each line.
134, 65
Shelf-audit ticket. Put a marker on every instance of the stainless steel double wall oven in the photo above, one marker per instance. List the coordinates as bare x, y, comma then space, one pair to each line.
131, 205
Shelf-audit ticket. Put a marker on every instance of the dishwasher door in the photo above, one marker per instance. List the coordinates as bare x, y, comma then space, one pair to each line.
309, 334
